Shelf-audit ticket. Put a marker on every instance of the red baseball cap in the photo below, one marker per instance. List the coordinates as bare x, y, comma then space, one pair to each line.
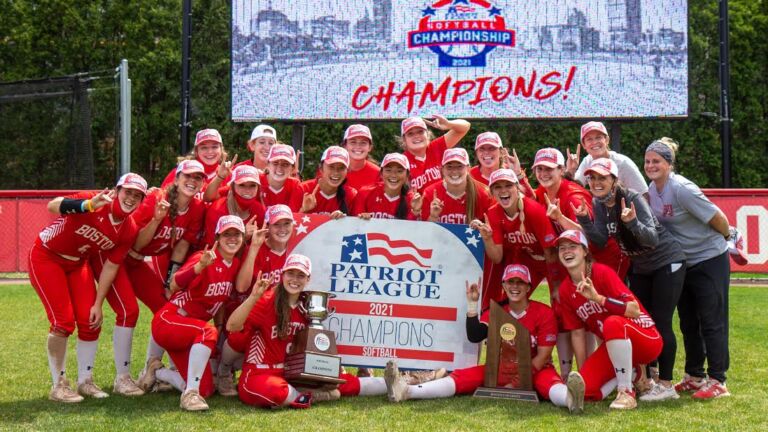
358, 130
574, 236
516, 271
282, 152
335, 154
457, 154
206, 135
410, 123
132, 181
397, 158
592, 126
278, 212
549, 157
298, 262
245, 173
502, 174
603, 166
488, 138
189, 166
229, 221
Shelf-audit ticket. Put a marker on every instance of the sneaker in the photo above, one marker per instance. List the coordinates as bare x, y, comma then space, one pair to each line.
326, 395
90, 389
192, 401
148, 378
225, 385
304, 401
625, 400
644, 386
575, 398
690, 384
125, 386
420, 377
713, 390
62, 392
660, 392
654, 373
397, 385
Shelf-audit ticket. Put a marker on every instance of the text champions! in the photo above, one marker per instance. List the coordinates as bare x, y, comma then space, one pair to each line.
473, 92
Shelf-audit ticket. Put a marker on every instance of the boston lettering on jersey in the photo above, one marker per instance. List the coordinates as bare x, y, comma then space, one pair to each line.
429, 175
96, 236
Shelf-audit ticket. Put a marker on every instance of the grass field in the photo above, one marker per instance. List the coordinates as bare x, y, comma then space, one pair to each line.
25, 383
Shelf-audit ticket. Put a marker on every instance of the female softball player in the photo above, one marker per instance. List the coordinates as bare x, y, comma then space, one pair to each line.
329, 193
209, 151
242, 200
540, 322
359, 142
183, 328
424, 151
390, 197
278, 186
593, 298
58, 270
262, 139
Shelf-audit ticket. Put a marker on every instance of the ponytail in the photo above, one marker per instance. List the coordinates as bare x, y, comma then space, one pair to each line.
471, 191
403, 207
282, 311
172, 193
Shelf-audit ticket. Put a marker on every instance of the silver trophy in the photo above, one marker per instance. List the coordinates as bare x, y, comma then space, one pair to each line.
315, 307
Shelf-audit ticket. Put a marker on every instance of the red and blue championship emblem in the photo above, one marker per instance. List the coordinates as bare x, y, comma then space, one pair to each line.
461, 32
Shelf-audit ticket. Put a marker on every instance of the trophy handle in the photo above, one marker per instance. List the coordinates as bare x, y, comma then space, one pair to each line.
331, 311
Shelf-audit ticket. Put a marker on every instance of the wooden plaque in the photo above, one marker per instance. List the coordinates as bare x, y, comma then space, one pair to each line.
313, 360
508, 359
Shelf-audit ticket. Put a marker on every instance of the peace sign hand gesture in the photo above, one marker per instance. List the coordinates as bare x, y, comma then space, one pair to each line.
586, 288
102, 198
225, 168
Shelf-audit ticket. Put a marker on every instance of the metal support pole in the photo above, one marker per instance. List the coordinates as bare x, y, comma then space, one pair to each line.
616, 137
186, 45
297, 141
725, 90
125, 118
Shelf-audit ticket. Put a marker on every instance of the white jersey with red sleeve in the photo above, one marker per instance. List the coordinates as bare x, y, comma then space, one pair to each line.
367, 175
454, 208
203, 297
578, 312
187, 224
540, 321
426, 171
219, 208
265, 346
373, 199
537, 235
290, 194
329, 204
80, 235
210, 174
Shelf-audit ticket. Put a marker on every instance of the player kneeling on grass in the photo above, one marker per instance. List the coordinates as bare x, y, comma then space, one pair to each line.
594, 298
540, 321
272, 319
183, 326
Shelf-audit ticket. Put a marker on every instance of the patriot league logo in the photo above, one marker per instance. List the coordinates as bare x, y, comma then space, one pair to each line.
461, 32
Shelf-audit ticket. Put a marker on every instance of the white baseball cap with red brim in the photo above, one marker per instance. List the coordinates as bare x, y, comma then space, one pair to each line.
456, 154
230, 221
334, 154
298, 262
282, 152
397, 158
277, 213
189, 166
592, 126
132, 181
502, 174
549, 157
603, 167
488, 138
410, 123
358, 130
573, 236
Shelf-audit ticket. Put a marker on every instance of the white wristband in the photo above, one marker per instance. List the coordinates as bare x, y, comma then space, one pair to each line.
472, 307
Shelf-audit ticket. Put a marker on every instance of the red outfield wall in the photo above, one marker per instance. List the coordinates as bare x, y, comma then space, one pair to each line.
23, 214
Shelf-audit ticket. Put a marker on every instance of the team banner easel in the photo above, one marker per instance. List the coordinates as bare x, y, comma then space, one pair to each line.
399, 286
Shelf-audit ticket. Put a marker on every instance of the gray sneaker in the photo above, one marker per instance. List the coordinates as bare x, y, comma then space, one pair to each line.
397, 385
660, 393
575, 398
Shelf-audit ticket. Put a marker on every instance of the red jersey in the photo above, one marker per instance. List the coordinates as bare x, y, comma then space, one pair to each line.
207, 179
425, 171
368, 175
290, 194
569, 193
329, 204
82, 234
532, 241
373, 199
540, 321
208, 290
477, 175
188, 224
219, 208
578, 312
265, 347
270, 264
454, 209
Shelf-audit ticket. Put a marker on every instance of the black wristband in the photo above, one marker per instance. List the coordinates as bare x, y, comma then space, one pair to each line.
72, 206
172, 267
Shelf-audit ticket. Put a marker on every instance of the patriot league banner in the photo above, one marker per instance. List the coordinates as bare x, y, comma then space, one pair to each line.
400, 288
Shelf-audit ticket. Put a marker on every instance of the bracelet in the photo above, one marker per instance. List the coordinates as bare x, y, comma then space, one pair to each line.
614, 306
89, 205
472, 307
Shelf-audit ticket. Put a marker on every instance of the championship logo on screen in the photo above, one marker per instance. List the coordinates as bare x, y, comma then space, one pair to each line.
461, 32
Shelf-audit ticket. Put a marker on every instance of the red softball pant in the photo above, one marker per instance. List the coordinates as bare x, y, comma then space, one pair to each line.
177, 333
469, 379
148, 279
598, 369
267, 388
66, 289
120, 297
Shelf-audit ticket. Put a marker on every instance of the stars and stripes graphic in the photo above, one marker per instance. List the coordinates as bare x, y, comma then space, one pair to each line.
359, 247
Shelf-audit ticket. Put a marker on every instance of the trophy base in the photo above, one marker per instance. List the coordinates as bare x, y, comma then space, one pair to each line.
310, 368
506, 393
